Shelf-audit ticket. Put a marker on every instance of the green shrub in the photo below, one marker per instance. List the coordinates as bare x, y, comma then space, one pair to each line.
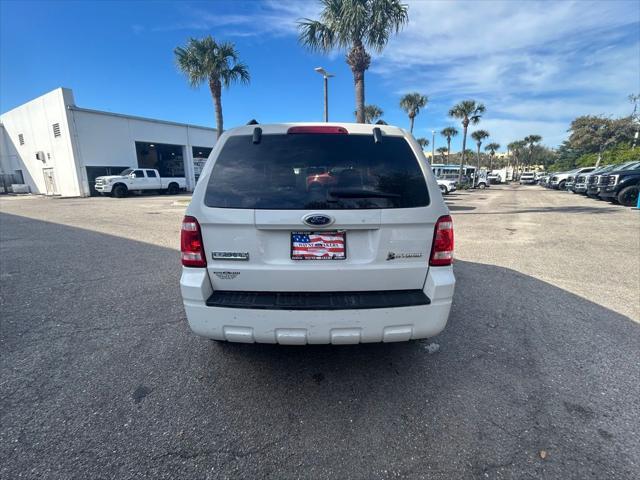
619, 154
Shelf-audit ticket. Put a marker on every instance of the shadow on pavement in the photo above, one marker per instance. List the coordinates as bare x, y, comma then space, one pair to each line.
102, 378
459, 208
562, 209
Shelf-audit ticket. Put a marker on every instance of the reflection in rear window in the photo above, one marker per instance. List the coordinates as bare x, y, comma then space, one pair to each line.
316, 171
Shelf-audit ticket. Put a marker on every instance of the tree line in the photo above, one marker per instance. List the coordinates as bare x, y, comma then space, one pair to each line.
362, 26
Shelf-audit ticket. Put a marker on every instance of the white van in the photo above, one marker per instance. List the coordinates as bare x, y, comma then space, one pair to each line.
315, 234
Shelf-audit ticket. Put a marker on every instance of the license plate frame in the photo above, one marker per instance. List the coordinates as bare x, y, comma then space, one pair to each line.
337, 233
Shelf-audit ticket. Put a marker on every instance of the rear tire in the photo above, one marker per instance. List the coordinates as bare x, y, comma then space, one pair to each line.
120, 191
561, 185
628, 196
173, 189
482, 186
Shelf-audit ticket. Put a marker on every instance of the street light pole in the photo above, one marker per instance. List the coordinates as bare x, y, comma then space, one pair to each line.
326, 76
433, 146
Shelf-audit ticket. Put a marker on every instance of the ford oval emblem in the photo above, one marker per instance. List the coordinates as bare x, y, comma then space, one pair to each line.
317, 219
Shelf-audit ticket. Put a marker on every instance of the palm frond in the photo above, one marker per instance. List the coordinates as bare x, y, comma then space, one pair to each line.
449, 132
371, 113
386, 17
468, 109
492, 147
347, 23
206, 60
423, 142
413, 102
316, 35
479, 135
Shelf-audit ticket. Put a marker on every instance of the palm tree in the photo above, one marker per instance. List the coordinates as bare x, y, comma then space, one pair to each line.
354, 25
449, 133
478, 136
423, 142
516, 147
491, 148
411, 103
442, 151
470, 112
371, 113
531, 141
205, 60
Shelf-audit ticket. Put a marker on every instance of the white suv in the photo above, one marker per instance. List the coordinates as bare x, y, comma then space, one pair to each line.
315, 234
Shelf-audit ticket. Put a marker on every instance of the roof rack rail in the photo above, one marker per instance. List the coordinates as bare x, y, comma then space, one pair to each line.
381, 122
253, 121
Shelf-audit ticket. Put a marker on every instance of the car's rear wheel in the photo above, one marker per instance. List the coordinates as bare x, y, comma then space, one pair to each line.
482, 186
628, 196
173, 189
120, 191
561, 185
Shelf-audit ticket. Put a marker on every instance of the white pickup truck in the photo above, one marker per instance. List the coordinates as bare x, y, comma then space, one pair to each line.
138, 180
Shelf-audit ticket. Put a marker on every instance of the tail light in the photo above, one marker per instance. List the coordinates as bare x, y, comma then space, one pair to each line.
191, 246
442, 247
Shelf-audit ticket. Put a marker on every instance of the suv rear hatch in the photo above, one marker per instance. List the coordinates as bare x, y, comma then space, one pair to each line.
371, 189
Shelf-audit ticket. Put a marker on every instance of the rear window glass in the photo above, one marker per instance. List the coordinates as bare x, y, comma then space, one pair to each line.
316, 171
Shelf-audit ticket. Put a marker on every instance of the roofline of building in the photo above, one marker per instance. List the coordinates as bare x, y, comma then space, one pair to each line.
135, 117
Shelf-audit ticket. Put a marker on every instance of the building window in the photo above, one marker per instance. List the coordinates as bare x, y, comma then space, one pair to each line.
21, 139
56, 129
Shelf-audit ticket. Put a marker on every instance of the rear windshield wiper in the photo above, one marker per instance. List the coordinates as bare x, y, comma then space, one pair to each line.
361, 193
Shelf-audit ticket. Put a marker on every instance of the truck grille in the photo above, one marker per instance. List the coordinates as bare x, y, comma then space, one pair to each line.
603, 180
580, 179
593, 179
99, 182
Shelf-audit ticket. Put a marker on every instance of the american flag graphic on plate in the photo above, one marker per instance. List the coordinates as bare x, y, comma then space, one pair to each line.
318, 246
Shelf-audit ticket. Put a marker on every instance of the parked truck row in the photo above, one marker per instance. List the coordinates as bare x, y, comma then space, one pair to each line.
618, 183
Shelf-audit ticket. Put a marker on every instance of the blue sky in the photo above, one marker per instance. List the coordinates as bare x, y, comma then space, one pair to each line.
536, 65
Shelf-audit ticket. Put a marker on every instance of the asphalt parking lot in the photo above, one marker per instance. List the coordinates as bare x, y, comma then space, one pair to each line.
537, 374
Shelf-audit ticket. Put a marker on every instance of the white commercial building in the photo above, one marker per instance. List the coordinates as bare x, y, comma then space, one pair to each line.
57, 148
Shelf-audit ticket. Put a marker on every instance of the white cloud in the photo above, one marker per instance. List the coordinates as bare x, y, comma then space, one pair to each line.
505, 131
269, 17
535, 64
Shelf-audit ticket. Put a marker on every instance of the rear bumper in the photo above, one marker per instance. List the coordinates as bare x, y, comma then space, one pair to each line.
300, 327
